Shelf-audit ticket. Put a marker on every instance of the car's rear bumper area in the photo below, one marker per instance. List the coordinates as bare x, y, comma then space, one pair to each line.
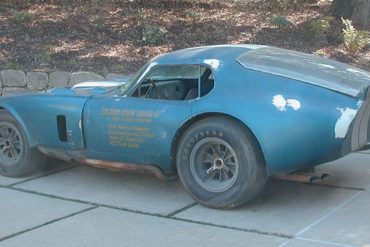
358, 136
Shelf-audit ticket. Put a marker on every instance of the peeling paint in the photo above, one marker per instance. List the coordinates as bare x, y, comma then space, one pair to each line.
327, 66
295, 104
214, 63
281, 103
345, 120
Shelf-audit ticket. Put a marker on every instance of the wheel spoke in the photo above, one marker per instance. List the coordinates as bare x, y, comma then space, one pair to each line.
4, 149
226, 168
13, 134
228, 155
209, 158
231, 170
2, 141
226, 174
15, 138
17, 146
215, 155
211, 176
9, 132
218, 149
8, 154
232, 163
12, 152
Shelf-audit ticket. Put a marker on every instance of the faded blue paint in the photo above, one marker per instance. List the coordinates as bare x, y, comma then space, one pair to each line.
38, 113
154, 150
294, 122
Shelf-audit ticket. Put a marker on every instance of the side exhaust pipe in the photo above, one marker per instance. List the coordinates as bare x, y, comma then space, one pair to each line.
127, 167
301, 177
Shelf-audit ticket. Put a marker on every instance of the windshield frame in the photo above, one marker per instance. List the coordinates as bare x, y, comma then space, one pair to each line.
125, 89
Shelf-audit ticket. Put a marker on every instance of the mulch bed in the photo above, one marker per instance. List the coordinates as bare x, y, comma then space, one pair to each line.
106, 36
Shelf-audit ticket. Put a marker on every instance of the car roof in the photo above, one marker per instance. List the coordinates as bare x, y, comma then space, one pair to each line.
295, 65
308, 68
198, 55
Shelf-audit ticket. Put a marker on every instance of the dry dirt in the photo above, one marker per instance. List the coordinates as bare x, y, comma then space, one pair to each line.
106, 36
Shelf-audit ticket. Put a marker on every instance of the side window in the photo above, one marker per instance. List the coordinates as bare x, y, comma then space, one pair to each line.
179, 82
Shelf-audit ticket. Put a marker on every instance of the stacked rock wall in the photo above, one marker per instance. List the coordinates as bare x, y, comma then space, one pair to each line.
17, 81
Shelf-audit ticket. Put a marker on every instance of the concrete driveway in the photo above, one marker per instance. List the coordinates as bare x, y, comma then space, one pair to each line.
71, 205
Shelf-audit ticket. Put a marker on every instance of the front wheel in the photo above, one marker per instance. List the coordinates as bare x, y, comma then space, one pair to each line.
220, 164
17, 158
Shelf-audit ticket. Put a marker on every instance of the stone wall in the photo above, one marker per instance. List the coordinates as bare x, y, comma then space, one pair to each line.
17, 81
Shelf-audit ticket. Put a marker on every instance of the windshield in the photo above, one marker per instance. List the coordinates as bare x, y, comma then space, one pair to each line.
124, 89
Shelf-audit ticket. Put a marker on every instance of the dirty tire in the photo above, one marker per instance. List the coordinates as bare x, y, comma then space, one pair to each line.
17, 158
220, 164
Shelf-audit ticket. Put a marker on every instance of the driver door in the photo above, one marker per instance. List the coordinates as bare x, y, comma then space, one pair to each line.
140, 128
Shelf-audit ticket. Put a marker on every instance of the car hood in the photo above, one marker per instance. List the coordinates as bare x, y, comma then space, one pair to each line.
91, 87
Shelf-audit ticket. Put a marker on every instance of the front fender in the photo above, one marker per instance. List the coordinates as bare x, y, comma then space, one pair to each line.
14, 113
47, 119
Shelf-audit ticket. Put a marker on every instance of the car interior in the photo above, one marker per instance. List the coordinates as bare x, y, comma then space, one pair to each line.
170, 85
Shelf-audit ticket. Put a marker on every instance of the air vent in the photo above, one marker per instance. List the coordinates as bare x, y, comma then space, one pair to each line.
62, 128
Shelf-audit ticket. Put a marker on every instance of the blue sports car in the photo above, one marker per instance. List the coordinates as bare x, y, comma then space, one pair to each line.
222, 118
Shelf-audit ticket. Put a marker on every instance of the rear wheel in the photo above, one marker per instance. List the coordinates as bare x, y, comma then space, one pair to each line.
17, 158
220, 164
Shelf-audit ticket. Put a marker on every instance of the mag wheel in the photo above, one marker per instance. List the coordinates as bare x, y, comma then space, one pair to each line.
214, 164
16, 157
11, 144
220, 164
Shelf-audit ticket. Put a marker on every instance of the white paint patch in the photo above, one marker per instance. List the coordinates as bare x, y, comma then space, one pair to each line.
90, 84
281, 103
359, 72
343, 123
328, 66
214, 63
295, 104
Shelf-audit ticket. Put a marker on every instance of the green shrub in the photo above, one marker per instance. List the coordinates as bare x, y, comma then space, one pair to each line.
280, 21
354, 40
317, 28
20, 17
154, 34
284, 6
193, 13
13, 65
